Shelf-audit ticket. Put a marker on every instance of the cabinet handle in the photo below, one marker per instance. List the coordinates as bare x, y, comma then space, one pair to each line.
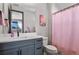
39, 48
18, 52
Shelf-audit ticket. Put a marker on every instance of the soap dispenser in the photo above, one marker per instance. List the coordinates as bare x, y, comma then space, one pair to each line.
12, 34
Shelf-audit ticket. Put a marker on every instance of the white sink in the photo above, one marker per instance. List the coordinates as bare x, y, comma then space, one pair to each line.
23, 36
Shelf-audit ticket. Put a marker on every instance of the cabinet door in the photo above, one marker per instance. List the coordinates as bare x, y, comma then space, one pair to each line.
27, 50
10, 52
38, 51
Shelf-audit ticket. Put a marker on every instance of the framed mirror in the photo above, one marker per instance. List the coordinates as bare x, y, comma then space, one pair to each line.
16, 21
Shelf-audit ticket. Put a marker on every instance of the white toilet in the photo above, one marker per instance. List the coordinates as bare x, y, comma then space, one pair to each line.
49, 49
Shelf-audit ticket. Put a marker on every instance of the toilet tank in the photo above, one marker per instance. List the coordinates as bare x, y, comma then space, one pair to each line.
45, 41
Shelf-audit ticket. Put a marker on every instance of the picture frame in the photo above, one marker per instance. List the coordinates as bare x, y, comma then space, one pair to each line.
42, 20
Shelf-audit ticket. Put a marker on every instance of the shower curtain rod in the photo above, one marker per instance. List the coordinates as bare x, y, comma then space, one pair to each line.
66, 8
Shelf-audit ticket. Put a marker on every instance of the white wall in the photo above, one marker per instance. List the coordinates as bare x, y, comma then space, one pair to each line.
49, 24
41, 9
0, 25
1, 6
6, 10
37, 9
58, 6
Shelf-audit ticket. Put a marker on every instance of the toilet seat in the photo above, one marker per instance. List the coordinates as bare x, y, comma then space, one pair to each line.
50, 49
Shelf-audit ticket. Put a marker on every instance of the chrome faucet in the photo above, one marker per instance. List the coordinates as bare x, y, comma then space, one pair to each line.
17, 32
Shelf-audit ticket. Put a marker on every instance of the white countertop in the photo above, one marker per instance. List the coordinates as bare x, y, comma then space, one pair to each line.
23, 36
9, 39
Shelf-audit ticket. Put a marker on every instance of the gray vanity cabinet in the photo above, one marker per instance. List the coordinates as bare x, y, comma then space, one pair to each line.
23, 47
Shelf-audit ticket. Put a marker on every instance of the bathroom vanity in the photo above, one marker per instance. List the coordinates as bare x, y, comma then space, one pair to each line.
22, 46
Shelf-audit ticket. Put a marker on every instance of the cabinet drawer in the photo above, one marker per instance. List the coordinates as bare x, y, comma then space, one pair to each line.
38, 40
38, 45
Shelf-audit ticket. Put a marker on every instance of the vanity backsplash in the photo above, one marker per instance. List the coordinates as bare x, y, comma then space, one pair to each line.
20, 35
30, 30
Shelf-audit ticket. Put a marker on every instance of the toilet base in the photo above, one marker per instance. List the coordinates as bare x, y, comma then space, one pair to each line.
49, 50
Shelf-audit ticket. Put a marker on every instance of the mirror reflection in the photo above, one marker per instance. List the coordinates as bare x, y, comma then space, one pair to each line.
16, 18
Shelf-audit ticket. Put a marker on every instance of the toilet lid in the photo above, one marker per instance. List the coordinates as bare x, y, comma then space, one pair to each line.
50, 47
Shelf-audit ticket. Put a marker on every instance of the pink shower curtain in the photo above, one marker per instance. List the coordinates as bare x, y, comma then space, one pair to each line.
66, 17
62, 30
65, 30
75, 36
56, 30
